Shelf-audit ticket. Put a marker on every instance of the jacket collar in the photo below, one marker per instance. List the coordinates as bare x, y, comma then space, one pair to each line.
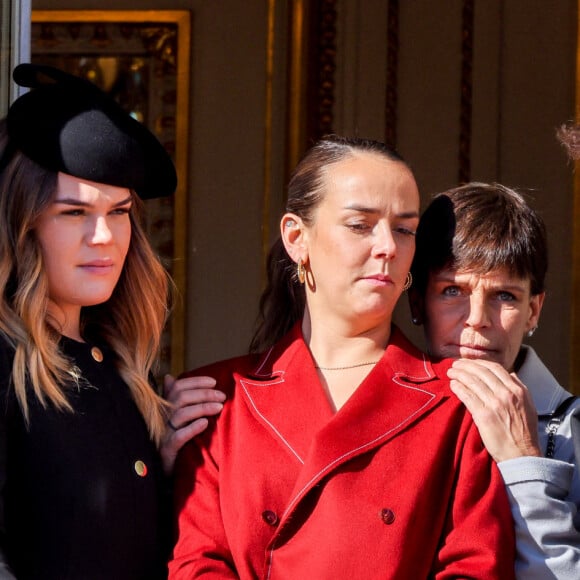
412, 364
544, 388
401, 387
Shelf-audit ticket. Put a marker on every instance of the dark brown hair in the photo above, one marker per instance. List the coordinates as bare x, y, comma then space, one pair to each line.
481, 227
282, 302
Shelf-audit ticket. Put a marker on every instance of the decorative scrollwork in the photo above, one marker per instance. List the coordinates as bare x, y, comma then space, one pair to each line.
161, 41
392, 73
466, 91
322, 85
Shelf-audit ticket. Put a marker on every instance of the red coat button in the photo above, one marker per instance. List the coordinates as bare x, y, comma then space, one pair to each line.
387, 515
270, 517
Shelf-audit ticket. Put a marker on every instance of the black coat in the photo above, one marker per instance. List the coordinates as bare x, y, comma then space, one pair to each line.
76, 502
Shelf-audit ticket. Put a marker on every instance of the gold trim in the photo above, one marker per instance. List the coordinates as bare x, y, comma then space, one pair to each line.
322, 87
182, 19
574, 379
268, 116
180, 204
466, 91
391, 93
297, 85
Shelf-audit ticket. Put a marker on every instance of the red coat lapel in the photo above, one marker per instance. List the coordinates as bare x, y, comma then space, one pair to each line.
269, 395
394, 395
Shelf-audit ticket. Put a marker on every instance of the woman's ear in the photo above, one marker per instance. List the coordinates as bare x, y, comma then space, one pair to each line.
536, 303
293, 237
416, 306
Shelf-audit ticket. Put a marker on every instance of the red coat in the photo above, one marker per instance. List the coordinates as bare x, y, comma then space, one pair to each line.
396, 484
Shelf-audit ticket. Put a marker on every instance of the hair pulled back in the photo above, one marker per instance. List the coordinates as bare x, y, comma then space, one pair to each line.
282, 302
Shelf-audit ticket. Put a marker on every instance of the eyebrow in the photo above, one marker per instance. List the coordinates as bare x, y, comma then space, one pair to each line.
79, 203
449, 279
373, 210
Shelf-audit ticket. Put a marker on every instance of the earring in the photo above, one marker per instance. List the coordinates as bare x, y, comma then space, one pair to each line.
408, 282
300, 272
415, 321
530, 332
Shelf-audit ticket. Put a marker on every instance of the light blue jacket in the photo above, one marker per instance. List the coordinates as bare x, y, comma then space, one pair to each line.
545, 493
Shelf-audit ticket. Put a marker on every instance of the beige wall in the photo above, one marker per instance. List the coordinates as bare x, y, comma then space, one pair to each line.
523, 88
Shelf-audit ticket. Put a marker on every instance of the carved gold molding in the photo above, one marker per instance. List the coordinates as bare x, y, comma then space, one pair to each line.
312, 68
574, 381
391, 103
467, 15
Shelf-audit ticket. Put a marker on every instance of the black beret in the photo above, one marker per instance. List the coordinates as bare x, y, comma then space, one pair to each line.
67, 124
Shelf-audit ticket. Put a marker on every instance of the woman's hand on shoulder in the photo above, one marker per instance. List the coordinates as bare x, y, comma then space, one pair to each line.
191, 400
501, 406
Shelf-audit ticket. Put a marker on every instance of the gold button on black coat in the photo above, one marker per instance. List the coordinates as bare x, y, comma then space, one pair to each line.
140, 468
88, 483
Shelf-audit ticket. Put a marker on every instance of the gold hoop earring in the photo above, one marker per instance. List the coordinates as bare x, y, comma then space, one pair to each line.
408, 282
300, 272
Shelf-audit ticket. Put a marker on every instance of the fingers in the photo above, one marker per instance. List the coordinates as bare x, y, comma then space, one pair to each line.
192, 400
183, 415
191, 390
482, 385
501, 406
466, 396
172, 385
486, 383
175, 439
196, 397
485, 368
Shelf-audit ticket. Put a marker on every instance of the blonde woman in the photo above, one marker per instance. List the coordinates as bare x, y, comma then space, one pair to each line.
83, 300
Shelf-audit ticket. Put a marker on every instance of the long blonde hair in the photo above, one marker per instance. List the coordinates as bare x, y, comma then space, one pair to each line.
130, 322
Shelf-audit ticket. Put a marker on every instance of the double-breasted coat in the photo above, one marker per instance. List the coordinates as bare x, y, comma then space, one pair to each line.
396, 484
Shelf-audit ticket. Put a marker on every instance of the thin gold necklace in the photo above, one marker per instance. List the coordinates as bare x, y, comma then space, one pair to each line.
365, 364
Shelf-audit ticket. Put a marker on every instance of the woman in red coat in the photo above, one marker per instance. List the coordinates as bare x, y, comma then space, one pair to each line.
340, 452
